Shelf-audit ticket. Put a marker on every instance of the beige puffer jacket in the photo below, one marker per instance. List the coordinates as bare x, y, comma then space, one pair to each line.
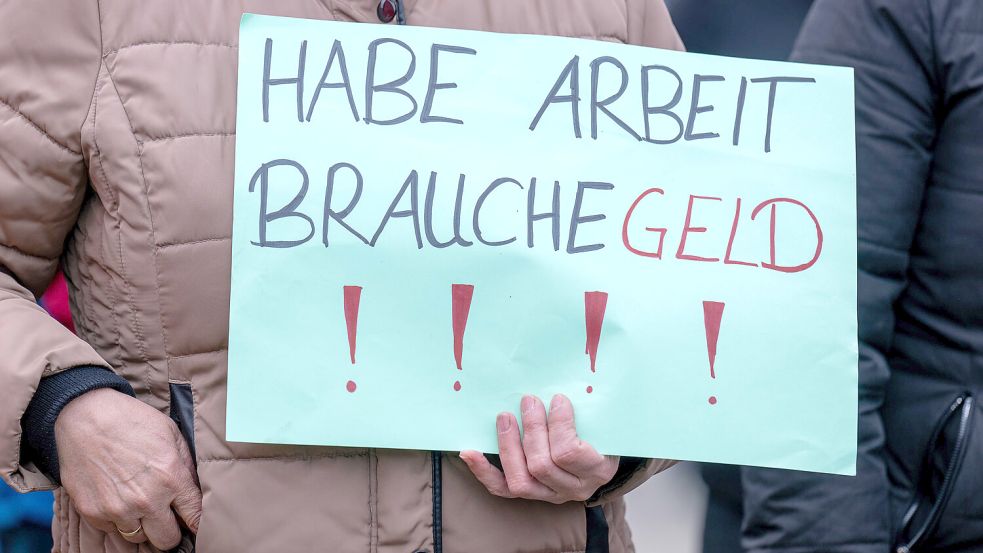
117, 132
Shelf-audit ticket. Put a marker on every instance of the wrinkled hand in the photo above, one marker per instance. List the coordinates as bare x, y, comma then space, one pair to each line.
549, 462
126, 467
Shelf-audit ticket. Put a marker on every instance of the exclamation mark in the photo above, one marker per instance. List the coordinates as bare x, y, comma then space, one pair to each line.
594, 305
713, 312
353, 295
461, 295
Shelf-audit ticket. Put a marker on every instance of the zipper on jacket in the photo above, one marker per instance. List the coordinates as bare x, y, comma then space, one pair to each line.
963, 406
436, 463
400, 12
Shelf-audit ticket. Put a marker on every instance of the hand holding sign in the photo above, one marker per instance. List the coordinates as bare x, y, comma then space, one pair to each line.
549, 462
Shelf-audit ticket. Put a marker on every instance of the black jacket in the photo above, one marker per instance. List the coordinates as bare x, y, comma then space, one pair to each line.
919, 92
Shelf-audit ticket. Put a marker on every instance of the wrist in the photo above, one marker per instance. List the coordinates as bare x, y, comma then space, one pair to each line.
53, 395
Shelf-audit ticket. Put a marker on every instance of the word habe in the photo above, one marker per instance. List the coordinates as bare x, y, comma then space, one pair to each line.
595, 304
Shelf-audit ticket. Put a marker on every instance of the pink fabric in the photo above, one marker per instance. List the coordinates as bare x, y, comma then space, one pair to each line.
55, 301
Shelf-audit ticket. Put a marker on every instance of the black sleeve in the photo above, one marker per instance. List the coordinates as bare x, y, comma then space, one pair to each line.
53, 394
890, 45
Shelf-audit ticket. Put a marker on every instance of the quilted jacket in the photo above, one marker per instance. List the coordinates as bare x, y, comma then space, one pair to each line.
919, 483
117, 141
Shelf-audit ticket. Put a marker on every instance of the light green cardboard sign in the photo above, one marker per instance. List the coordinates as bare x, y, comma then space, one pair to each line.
431, 223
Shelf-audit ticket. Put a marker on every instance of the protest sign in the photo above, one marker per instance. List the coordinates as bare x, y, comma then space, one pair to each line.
430, 223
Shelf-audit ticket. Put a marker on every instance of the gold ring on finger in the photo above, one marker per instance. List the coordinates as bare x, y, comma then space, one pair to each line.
132, 534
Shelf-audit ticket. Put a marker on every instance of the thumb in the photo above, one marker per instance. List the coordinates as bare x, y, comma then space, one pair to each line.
187, 504
185, 453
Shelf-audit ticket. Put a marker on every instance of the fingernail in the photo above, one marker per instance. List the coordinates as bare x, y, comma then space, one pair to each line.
504, 422
556, 401
527, 404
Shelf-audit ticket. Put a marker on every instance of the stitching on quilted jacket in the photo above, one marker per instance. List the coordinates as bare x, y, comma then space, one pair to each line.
169, 42
282, 458
117, 225
192, 242
20, 252
186, 135
30, 122
197, 353
141, 341
95, 81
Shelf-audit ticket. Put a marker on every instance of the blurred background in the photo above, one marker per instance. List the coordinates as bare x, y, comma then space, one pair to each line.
668, 512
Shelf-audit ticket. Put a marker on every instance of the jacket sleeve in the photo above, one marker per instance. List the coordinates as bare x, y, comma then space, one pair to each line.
649, 24
889, 43
632, 473
49, 58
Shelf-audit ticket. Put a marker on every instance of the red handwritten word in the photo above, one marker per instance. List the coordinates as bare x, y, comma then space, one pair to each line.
690, 228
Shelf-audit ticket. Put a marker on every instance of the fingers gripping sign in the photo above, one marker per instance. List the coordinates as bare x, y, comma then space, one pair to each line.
547, 461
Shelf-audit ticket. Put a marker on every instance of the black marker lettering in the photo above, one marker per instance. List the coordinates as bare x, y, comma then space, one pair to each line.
740, 111
481, 202
433, 86
695, 108
339, 216
553, 214
392, 86
290, 210
428, 214
576, 219
571, 72
337, 52
602, 105
666, 109
411, 185
298, 81
772, 92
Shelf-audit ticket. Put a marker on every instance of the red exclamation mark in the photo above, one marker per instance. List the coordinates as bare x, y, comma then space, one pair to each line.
594, 305
353, 295
713, 312
461, 295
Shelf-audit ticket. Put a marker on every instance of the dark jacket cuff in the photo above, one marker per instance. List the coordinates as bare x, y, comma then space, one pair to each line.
53, 394
627, 467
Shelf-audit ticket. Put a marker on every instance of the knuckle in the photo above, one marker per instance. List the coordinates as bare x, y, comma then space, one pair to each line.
533, 424
89, 511
141, 503
583, 495
114, 512
498, 491
172, 480
540, 466
566, 454
521, 488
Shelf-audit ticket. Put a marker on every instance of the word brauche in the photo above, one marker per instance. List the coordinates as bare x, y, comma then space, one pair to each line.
414, 203
569, 92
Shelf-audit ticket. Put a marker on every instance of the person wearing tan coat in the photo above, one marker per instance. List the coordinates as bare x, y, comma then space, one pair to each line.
117, 132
